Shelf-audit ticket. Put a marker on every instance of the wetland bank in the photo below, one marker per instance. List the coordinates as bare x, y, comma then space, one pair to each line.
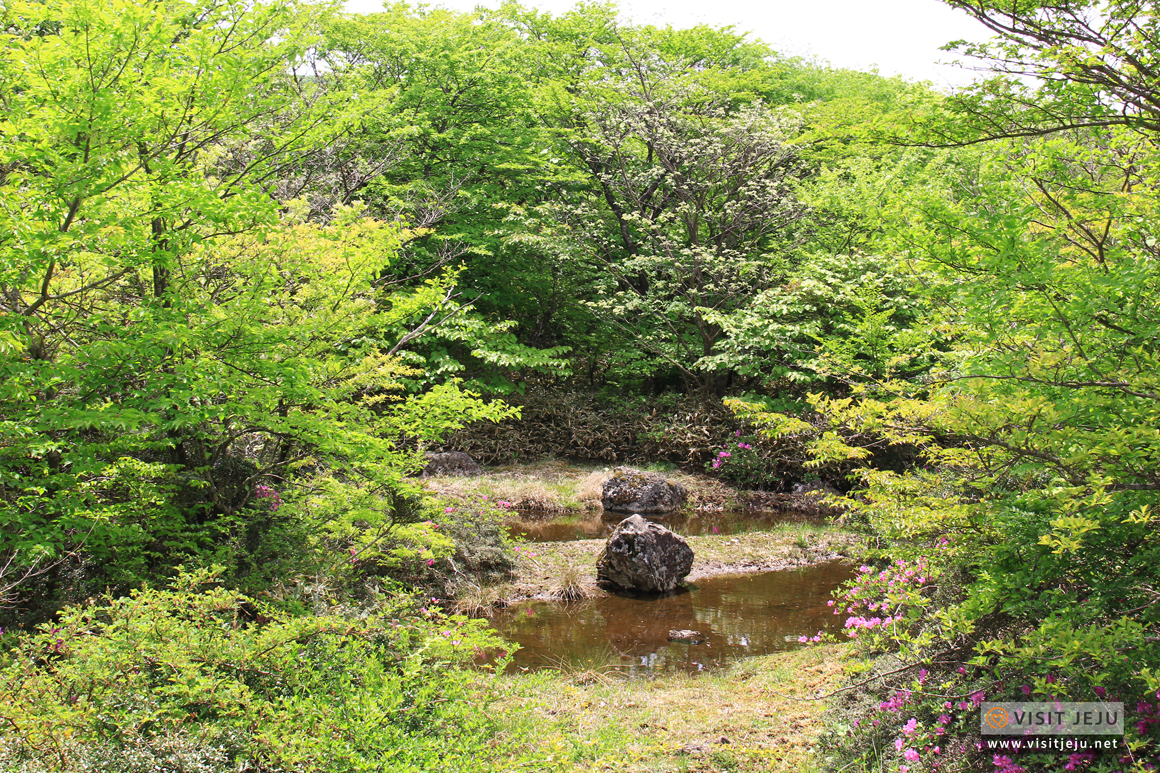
599, 669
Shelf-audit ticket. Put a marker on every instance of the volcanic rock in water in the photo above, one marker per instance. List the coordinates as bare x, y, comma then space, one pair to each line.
645, 556
451, 463
636, 491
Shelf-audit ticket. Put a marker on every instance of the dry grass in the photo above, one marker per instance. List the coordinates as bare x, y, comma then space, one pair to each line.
591, 487
475, 599
762, 706
787, 546
548, 487
553, 487
555, 571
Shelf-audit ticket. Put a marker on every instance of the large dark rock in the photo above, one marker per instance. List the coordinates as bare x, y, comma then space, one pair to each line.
636, 491
645, 556
451, 463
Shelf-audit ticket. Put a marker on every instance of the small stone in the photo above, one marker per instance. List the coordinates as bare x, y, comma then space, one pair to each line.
684, 635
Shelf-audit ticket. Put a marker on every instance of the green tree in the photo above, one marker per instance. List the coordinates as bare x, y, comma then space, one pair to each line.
452, 146
690, 208
1037, 429
168, 343
1056, 66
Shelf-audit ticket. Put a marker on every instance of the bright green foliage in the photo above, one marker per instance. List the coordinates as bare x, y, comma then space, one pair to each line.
1093, 64
839, 315
611, 191
1037, 429
154, 370
1040, 425
119, 150
210, 679
455, 104
691, 199
271, 359
455, 146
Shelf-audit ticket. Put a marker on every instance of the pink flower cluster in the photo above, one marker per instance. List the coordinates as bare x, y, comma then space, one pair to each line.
909, 753
890, 590
265, 492
896, 702
811, 639
1148, 716
1004, 764
862, 622
1075, 759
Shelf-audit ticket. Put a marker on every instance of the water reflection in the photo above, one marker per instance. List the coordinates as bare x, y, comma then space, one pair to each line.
737, 616
600, 525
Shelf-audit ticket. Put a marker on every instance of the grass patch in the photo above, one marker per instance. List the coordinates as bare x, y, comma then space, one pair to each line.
549, 487
553, 487
756, 716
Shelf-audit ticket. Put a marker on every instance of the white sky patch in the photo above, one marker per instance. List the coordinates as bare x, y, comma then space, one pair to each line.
899, 37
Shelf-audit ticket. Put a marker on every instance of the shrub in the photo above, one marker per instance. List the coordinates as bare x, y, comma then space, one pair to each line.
214, 680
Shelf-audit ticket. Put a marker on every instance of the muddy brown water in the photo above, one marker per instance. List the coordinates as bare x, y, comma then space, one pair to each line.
600, 525
737, 616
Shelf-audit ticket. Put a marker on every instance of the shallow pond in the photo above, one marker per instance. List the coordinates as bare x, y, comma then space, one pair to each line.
599, 526
737, 616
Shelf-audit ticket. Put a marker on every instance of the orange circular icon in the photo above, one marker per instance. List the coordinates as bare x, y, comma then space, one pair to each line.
997, 718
